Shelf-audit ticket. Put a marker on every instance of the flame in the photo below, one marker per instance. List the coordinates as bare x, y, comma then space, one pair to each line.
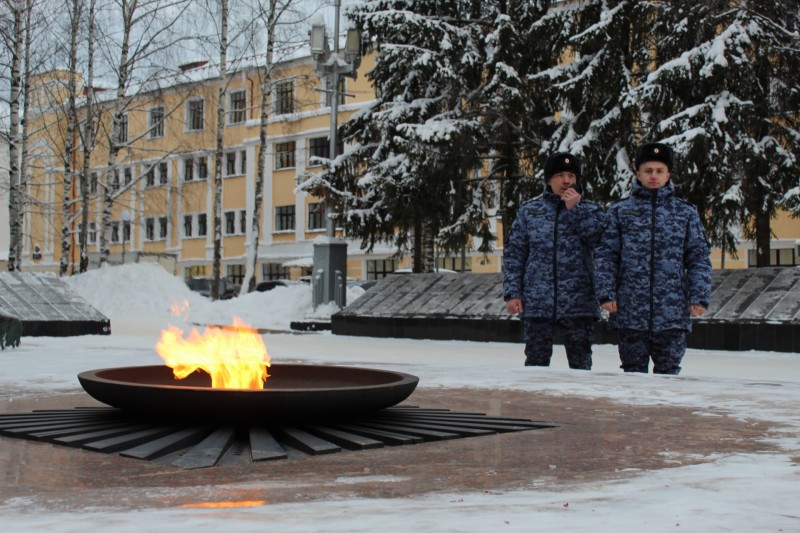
224, 505
235, 357
179, 309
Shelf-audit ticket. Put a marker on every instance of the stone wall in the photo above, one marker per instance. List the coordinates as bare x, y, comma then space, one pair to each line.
752, 309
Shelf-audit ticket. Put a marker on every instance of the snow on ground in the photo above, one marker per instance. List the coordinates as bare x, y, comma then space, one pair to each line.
141, 296
734, 492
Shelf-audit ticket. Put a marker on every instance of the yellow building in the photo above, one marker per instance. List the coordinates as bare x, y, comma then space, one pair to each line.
163, 200
784, 246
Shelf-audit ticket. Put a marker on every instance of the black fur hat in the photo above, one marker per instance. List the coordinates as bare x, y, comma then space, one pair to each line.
655, 152
562, 162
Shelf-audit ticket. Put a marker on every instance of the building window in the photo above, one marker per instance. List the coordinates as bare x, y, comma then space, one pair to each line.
238, 107
284, 218
114, 185
93, 182
235, 163
126, 231
284, 97
454, 263
162, 172
202, 225
162, 227
231, 225
329, 93
777, 257
150, 177
230, 222
202, 168
284, 155
128, 173
194, 115
320, 147
149, 229
123, 129
274, 271
156, 119
230, 163
187, 225
188, 169
197, 271
316, 216
235, 274
115, 232
195, 169
380, 268
92, 231
785, 256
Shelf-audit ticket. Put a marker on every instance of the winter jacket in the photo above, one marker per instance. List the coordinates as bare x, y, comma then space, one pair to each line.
548, 260
653, 260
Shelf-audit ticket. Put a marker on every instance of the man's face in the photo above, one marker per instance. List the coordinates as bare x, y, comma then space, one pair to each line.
653, 174
561, 181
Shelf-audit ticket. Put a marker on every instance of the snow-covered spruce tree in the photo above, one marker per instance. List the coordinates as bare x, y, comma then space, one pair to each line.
687, 104
516, 115
415, 148
725, 94
605, 47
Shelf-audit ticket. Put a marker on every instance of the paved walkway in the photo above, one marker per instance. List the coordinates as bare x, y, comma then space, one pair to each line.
596, 441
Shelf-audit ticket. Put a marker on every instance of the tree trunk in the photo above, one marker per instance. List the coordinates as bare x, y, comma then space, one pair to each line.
88, 143
15, 235
23, 163
428, 248
223, 59
69, 145
112, 172
266, 95
763, 238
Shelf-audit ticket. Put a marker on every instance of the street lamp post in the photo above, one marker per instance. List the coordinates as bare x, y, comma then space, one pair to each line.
330, 253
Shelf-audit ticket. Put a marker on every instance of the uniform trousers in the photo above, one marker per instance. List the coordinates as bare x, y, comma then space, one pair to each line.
666, 349
577, 334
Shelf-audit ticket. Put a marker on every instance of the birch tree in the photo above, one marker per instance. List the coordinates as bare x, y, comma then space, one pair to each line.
269, 14
23, 164
75, 13
43, 50
147, 30
15, 40
88, 136
220, 147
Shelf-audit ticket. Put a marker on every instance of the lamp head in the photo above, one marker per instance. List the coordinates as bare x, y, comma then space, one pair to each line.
318, 38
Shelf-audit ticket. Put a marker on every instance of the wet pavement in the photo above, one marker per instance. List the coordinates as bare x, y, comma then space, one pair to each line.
594, 441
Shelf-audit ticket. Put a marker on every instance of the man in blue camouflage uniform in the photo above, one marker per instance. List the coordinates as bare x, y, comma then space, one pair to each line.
653, 267
548, 266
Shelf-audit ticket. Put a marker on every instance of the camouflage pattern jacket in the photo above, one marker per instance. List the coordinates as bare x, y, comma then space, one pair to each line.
653, 260
548, 260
